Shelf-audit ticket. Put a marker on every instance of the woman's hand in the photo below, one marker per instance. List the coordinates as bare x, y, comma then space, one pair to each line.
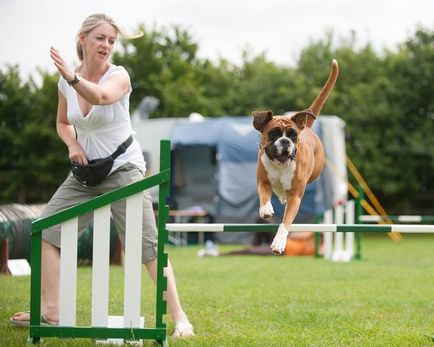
61, 65
76, 154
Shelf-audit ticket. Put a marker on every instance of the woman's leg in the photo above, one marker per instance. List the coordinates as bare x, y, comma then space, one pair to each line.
50, 281
70, 193
178, 315
125, 175
49, 284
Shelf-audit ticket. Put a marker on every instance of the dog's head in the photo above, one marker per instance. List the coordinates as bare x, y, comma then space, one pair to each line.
280, 134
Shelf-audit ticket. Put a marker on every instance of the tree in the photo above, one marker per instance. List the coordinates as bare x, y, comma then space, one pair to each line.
162, 64
48, 153
411, 97
15, 110
261, 84
31, 162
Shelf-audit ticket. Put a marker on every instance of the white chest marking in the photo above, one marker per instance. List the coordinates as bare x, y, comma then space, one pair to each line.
280, 177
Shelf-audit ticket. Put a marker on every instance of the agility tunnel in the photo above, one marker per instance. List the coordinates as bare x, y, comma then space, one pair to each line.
15, 231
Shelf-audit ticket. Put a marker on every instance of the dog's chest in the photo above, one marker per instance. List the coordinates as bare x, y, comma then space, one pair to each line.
280, 177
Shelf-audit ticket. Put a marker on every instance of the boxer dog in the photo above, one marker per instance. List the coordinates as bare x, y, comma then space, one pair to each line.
290, 156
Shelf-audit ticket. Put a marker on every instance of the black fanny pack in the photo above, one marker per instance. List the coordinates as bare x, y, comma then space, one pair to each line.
97, 169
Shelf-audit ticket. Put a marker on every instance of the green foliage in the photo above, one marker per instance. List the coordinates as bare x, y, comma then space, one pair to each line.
386, 100
15, 106
32, 158
261, 84
412, 96
162, 64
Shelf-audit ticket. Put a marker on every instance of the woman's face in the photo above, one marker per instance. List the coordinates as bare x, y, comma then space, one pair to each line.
99, 43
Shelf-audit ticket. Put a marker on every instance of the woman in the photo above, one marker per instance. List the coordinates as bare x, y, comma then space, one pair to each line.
93, 120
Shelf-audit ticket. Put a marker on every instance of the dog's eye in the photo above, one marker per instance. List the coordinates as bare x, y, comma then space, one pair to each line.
274, 134
292, 134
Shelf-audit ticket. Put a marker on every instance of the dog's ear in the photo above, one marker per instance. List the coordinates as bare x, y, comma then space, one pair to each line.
302, 118
261, 118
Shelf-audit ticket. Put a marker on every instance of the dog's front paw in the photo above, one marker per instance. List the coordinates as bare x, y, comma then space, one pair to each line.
266, 211
279, 242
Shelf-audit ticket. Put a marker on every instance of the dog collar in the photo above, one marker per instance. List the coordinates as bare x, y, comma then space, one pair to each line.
307, 111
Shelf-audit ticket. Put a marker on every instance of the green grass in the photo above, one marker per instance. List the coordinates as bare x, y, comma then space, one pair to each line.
386, 299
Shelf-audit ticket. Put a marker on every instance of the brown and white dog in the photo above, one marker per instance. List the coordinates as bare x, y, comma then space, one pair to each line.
290, 156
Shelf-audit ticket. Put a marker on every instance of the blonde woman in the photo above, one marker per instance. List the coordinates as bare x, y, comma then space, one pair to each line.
93, 121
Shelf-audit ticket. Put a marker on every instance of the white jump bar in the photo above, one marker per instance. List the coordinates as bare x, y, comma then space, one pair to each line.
204, 227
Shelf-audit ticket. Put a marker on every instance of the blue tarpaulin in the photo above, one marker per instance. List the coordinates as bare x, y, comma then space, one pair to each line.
236, 143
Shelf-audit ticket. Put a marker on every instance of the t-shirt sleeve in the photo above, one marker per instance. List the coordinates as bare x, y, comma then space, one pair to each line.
123, 71
62, 86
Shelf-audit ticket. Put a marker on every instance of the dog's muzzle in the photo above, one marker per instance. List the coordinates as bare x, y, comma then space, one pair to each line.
282, 151
286, 150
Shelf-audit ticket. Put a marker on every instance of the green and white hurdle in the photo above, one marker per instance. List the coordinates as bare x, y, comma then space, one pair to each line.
132, 328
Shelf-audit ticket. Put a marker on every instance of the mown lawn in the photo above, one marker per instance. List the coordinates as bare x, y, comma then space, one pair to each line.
386, 299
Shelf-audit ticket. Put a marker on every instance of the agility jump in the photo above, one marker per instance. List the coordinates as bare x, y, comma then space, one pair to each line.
100, 206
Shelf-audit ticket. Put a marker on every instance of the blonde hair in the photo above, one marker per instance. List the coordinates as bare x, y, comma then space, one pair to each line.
91, 22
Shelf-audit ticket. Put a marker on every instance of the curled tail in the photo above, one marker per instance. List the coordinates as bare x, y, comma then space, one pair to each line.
320, 100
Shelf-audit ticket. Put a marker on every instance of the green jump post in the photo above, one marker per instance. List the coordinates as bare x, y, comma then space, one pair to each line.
358, 213
163, 236
35, 286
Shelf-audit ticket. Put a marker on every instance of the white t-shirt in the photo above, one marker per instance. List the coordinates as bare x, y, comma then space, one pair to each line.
105, 127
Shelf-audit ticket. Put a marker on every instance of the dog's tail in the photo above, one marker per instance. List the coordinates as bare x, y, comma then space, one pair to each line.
320, 100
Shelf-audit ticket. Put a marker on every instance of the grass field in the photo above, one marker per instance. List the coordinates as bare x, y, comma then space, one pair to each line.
386, 299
